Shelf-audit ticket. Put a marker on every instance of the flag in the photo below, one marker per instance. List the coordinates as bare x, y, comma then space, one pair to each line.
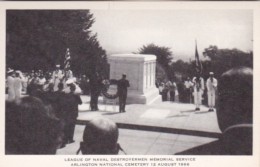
198, 65
67, 60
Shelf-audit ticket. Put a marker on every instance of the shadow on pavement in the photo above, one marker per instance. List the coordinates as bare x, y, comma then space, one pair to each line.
187, 111
177, 115
202, 112
111, 113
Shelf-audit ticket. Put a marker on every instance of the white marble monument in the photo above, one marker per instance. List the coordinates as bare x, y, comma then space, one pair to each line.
140, 71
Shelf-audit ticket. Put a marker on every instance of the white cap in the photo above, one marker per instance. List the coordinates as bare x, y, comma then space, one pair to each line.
69, 81
211, 73
57, 65
10, 70
17, 71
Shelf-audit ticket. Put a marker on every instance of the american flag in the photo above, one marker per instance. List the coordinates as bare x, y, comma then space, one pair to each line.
198, 65
67, 60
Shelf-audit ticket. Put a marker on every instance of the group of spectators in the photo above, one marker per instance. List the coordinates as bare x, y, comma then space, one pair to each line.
42, 123
190, 91
18, 82
61, 102
44, 120
168, 90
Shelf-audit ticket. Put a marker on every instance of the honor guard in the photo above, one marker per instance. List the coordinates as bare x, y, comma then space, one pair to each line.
212, 84
198, 89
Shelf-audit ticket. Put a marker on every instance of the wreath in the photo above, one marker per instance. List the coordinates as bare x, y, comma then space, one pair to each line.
106, 85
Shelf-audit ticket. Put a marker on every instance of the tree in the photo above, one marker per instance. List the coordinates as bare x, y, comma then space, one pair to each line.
185, 69
218, 61
221, 60
164, 57
37, 39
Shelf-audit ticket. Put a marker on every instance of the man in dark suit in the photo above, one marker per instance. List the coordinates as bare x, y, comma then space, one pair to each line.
95, 90
234, 113
71, 110
122, 86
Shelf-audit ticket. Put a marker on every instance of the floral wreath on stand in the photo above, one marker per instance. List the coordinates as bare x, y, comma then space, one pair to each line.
106, 84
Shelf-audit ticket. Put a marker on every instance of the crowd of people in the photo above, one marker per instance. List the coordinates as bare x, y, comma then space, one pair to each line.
38, 82
190, 91
44, 121
168, 90
18, 82
54, 98
58, 91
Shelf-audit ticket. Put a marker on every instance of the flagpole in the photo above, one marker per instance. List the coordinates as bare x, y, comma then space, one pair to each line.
195, 43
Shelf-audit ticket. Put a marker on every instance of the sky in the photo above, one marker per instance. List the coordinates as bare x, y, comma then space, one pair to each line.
126, 31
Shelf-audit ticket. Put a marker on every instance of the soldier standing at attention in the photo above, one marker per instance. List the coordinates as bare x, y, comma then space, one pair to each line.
122, 86
212, 84
198, 91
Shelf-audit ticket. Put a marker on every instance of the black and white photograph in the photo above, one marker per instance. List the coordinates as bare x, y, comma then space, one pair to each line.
157, 82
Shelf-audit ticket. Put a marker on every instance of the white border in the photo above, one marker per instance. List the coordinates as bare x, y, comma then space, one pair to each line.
201, 161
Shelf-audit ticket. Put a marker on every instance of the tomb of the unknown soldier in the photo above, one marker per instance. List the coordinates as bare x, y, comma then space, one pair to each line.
140, 71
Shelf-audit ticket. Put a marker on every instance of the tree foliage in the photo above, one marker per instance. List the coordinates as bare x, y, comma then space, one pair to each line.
218, 61
221, 60
185, 69
37, 39
164, 57
163, 54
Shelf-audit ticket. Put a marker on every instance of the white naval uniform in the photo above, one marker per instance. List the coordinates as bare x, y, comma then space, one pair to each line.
73, 81
198, 88
18, 86
10, 85
56, 78
77, 90
211, 87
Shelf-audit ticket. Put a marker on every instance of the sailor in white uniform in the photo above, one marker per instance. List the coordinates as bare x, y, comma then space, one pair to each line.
18, 81
10, 84
198, 89
212, 84
57, 77
67, 87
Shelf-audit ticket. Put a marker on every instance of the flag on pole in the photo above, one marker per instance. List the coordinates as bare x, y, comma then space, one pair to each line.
198, 65
67, 60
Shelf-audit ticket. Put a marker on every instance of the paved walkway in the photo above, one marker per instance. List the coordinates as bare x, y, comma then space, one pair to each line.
158, 128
